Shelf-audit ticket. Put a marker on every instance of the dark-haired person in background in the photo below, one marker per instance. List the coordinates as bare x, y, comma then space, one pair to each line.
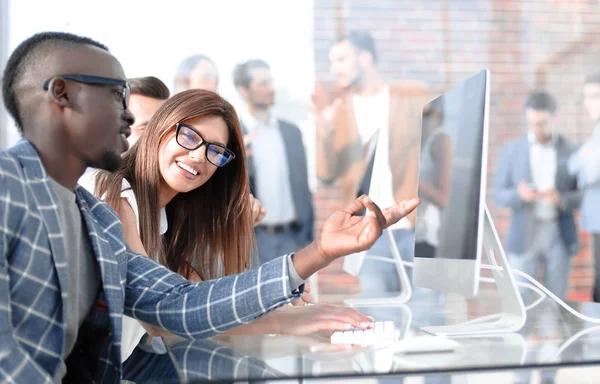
585, 164
277, 167
533, 182
66, 274
147, 95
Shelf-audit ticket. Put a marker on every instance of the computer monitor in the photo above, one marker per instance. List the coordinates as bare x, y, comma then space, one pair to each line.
452, 178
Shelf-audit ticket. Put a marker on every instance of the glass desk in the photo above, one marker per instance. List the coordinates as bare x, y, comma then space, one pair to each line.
552, 338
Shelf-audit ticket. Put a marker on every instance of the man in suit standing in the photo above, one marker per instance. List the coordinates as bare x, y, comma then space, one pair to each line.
532, 180
585, 163
276, 167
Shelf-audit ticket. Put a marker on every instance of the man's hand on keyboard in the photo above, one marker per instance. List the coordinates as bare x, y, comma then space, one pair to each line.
345, 233
318, 318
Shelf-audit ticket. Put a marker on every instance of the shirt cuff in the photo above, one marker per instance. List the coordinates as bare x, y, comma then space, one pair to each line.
295, 280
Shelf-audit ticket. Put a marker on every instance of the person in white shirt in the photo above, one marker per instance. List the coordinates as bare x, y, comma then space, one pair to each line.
362, 103
183, 197
276, 167
533, 182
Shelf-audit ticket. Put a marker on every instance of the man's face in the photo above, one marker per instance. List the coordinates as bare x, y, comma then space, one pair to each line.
261, 93
539, 123
345, 64
591, 100
96, 122
143, 108
204, 76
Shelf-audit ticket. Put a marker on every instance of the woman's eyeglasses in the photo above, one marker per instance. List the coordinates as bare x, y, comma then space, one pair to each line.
190, 139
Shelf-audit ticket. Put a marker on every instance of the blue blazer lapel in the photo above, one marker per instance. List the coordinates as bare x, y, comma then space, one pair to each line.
522, 154
37, 178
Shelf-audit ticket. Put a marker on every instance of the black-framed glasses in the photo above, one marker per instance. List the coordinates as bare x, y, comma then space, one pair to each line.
98, 80
190, 139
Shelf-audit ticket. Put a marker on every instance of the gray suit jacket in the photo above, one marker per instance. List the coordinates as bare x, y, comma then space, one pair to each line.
514, 167
292, 139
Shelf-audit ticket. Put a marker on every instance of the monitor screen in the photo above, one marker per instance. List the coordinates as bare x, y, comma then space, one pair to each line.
451, 185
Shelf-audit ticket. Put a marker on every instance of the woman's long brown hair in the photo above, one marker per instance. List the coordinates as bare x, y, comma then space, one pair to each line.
208, 226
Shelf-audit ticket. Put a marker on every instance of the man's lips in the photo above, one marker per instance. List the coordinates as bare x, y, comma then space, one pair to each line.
125, 131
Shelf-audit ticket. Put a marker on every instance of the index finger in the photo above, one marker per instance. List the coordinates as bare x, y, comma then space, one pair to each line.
396, 212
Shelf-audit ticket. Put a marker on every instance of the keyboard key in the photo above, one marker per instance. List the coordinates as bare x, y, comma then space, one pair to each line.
382, 331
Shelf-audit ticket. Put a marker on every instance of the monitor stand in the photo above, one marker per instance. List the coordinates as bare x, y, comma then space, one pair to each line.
513, 313
405, 286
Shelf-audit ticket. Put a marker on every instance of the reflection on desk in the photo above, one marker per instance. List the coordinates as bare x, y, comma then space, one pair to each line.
552, 337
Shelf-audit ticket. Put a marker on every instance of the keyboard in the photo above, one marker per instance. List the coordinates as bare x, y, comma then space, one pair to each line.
382, 332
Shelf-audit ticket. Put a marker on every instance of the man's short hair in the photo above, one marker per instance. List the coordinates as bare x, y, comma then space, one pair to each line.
593, 78
362, 41
541, 101
241, 72
149, 86
26, 56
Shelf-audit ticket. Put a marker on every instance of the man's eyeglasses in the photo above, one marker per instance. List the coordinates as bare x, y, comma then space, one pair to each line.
190, 139
98, 80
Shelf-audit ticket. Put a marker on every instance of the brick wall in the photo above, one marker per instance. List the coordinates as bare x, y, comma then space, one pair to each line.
533, 44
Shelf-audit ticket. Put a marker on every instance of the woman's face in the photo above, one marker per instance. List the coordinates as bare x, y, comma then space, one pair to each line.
183, 170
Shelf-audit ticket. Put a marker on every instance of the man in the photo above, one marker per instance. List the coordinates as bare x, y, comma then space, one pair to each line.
365, 103
532, 180
197, 71
585, 163
277, 166
66, 274
147, 95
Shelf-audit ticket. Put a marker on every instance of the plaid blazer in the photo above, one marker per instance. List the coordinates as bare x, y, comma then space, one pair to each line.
34, 290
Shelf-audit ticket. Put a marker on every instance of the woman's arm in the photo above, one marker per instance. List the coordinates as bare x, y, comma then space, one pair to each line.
132, 236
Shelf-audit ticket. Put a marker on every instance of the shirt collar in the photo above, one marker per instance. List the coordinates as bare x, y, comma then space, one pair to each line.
533, 141
252, 123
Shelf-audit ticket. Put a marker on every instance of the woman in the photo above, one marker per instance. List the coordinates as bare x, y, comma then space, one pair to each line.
183, 197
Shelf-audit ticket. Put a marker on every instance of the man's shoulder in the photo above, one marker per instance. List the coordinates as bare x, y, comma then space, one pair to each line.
11, 170
409, 87
514, 143
286, 124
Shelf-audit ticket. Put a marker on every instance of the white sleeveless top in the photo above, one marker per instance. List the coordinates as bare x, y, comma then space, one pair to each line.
132, 331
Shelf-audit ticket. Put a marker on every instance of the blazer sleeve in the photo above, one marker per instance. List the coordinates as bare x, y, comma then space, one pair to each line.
16, 365
506, 194
162, 298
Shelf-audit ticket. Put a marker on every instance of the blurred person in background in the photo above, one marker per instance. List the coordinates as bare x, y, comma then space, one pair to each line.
277, 165
197, 71
361, 104
147, 95
585, 163
533, 182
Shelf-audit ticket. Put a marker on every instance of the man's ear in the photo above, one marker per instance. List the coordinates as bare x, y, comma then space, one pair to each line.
57, 91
